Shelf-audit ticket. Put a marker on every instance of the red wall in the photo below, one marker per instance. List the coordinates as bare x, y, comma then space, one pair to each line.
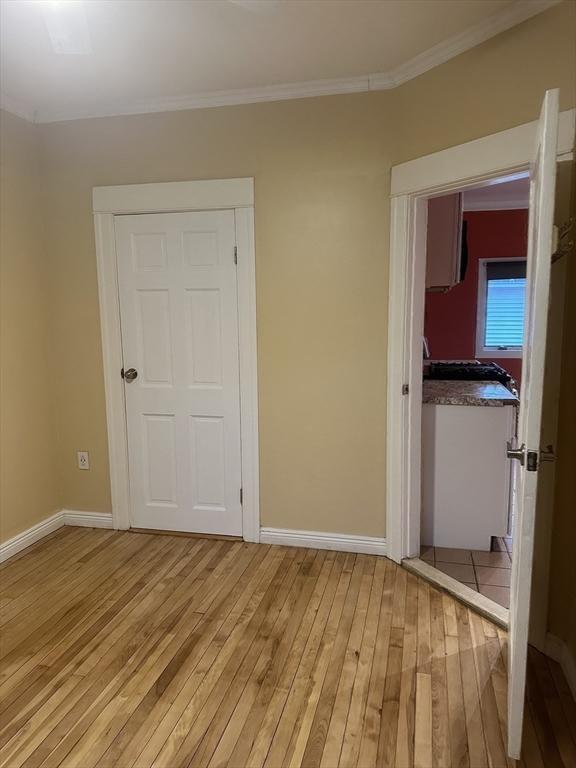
450, 318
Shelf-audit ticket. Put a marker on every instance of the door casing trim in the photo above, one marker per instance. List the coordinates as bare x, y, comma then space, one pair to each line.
213, 194
498, 155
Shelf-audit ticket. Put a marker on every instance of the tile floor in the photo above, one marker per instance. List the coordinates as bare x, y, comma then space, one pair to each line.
486, 572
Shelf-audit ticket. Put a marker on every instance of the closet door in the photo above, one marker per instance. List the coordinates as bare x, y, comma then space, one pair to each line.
179, 315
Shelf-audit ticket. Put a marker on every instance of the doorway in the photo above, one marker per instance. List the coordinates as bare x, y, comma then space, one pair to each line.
474, 306
538, 147
500, 156
176, 269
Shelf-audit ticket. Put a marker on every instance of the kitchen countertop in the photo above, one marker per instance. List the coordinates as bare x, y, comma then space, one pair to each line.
450, 392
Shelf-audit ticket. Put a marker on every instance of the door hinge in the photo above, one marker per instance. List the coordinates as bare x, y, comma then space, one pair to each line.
122, 372
235, 254
405, 389
241, 496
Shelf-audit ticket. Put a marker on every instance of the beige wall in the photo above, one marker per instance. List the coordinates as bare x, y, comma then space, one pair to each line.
494, 86
28, 472
322, 178
321, 168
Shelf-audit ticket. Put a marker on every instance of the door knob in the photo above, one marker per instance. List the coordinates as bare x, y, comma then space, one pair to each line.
516, 453
130, 374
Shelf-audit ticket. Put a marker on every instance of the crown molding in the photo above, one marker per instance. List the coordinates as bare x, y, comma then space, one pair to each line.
284, 92
17, 108
519, 11
509, 17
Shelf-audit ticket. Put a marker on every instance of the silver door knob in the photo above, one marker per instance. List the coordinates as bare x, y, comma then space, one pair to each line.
130, 374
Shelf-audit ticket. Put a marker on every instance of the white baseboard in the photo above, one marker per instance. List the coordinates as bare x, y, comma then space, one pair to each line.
87, 519
57, 520
317, 540
30, 536
558, 650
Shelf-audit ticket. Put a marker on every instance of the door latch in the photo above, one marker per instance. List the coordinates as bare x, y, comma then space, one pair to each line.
535, 458
532, 459
516, 453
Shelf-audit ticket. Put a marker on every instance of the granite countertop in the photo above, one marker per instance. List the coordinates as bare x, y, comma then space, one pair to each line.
448, 392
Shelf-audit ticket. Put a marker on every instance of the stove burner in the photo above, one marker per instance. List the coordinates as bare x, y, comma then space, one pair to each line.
459, 371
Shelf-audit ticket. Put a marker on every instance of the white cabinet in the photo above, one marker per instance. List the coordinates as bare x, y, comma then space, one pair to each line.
443, 242
465, 474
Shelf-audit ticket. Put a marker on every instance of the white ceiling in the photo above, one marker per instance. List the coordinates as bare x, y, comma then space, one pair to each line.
504, 196
151, 55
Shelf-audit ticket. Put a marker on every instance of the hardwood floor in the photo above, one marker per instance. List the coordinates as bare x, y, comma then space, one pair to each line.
126, 649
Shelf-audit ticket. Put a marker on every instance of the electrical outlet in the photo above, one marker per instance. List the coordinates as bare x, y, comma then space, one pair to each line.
83, 460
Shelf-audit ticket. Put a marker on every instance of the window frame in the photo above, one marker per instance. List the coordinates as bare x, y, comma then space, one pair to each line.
481, 350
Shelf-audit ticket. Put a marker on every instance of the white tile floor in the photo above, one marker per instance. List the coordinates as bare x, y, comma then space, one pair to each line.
487, 572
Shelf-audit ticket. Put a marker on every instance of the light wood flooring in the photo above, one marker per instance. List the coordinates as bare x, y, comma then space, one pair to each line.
126, 649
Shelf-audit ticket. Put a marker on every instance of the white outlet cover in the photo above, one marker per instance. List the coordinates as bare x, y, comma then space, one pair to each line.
83, 460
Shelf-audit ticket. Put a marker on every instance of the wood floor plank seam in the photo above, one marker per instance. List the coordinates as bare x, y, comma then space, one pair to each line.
60, 607
85, 680
217, 651
317, 738
256, 738
66, 575
339, 715
359, 696
107, 601
55, 644
85, 649
60, 548
174, 749
216, 630
290, 616
39, 553
291, 702
312, 691
161, 688
164, 620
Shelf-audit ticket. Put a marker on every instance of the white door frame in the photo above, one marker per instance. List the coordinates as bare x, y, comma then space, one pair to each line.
501, 154
170, 197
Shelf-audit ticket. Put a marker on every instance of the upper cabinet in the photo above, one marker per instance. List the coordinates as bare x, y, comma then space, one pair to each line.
444, 242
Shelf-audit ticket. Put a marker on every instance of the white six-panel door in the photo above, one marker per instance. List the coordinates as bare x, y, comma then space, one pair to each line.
178, 308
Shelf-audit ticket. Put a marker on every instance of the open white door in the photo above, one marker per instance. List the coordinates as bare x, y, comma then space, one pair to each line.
542, 188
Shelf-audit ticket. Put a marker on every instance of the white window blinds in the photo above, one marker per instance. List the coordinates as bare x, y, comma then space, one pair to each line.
505, 301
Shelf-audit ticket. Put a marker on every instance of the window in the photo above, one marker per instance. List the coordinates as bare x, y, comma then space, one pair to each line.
501, 300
